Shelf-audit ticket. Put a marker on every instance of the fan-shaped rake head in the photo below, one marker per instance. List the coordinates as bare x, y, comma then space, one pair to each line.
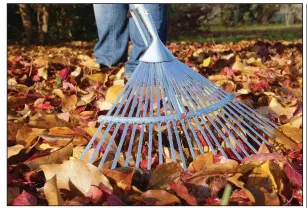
166, 111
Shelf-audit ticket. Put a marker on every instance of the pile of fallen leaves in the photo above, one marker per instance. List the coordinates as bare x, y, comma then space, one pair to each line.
55, 95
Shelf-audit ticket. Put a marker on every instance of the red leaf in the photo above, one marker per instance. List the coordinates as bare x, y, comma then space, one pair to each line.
212, 201
260, 86
36, 78
182, 191
64, 73
95, 194
25, 198
144, 162
45, 106
113, 200
79, 110
240, 197
264, 156
292, 174
227, 71
201, 138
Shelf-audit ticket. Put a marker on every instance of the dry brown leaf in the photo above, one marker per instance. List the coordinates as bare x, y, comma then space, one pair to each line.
123, 179
14, 150
292, 132
281, 141
223, 167
52, 192
26, 135
49, 121
55, 157
69, 103
159, 198
163, 173
201, 162
76, 175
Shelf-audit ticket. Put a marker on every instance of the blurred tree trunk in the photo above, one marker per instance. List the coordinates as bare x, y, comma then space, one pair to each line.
42, 21
237, 14
26, 21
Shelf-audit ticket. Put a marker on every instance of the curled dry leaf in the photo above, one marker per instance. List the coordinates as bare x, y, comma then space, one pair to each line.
201, 162
223, 167
49, 121
69, 103
14, 150
76, 175
123, 179
182, 191
163, 173
55, 157
25, 136
292, 174
52, 192
159, 198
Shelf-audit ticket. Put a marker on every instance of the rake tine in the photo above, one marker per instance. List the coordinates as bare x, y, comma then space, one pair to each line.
125, 129
252, 129
182, 91
163, 86
142, 130
221, 124
135, 125
160, 148
151, 125
238, 133
255, 117
116, 129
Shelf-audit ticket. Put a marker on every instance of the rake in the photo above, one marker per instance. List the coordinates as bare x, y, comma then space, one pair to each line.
168, 112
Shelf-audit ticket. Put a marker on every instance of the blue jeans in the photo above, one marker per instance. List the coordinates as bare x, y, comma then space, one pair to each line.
115, 29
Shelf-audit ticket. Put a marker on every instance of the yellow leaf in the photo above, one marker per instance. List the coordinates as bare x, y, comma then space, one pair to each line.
235, 180
292, 132
76, 175
100, 77
113, 92
265, 175
206, 62
42, 72
238, 66
69, 103
43, 146
201, 162
52, 192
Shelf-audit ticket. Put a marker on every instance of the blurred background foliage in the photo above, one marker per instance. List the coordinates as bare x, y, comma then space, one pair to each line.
55, 23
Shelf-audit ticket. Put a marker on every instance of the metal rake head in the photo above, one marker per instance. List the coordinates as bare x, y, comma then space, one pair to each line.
166, 111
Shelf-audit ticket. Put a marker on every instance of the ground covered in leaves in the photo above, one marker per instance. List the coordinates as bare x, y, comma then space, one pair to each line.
56, 93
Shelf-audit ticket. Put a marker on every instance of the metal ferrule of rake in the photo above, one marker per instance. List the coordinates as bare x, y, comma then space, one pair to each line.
191, 104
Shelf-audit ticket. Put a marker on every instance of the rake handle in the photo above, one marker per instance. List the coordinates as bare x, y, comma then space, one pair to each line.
142, 16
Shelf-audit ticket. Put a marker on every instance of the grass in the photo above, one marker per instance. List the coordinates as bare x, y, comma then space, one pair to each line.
221, 34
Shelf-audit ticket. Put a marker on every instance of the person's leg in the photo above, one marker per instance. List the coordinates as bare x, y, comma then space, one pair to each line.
113, 33
159, 14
